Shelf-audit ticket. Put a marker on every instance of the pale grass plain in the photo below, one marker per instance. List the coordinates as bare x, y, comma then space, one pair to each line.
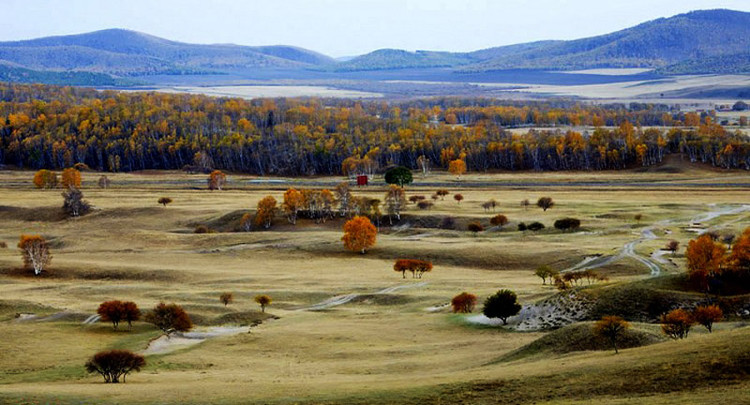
373, 348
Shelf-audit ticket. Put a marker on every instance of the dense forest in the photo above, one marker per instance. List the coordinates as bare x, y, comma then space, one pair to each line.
56, 127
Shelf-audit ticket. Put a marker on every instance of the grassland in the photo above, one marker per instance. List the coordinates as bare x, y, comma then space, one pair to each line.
377, 347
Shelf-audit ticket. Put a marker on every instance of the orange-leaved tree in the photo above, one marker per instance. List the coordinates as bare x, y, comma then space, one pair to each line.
71, 178
45, 179
293, 203
611, 327
464, 302
677, 323
265, 212
415, 266
35, 252
704, 259
457, 167
706, 315
359, 234
216, 180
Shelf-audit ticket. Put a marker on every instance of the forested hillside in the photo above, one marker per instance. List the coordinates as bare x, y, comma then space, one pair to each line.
56, 127
653, 44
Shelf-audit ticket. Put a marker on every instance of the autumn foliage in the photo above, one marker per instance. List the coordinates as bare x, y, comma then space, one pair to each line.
415, 266
611, 328
118, 311
457, 167
499, 220
35, 252
706, 315
264, 301
464, 303
115, 364
677, 323
359, 234
71, 178
117, 131
216, 180
704, 260
169, 318
45, 179
265, 212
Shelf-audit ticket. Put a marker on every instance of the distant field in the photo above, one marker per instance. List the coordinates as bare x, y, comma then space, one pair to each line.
402, 345
252, 91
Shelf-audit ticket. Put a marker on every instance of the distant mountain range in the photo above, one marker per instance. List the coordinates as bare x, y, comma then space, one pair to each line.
699, 42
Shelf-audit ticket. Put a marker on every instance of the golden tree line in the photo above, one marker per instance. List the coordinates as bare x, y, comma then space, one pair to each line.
48, 127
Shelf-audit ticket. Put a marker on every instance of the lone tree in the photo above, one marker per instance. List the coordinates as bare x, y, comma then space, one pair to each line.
35, 253
677, 323
265, 212
706, 315
457, 168
359, 234
503, 304
672, 246
545, 272
458, 197
611, 327
217, 180
464, 303
525, 204
73, 203
169, 318
118, 311
499, 220
415, 266
545, 203
263, 300
114, 364
565, 224
442, 193
45, 179
71, 178
399, 176
226, 298
164, 201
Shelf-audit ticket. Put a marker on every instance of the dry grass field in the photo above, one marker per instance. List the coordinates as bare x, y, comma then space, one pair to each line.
383, 344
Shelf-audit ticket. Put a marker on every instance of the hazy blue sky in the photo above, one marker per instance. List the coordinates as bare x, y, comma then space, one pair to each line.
340, 27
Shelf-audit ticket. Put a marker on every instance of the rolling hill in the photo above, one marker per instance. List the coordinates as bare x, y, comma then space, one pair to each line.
127, 53
658, 43
698, 42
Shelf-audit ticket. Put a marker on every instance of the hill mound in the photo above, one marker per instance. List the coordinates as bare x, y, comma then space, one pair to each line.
580, 337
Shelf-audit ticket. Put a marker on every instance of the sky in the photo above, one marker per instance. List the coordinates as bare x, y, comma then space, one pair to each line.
345, 27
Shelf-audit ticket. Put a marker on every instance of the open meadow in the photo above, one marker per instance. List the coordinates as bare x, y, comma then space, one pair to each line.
344, 327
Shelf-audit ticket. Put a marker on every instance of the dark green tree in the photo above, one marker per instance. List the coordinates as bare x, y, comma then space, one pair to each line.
398, 175
503, 304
